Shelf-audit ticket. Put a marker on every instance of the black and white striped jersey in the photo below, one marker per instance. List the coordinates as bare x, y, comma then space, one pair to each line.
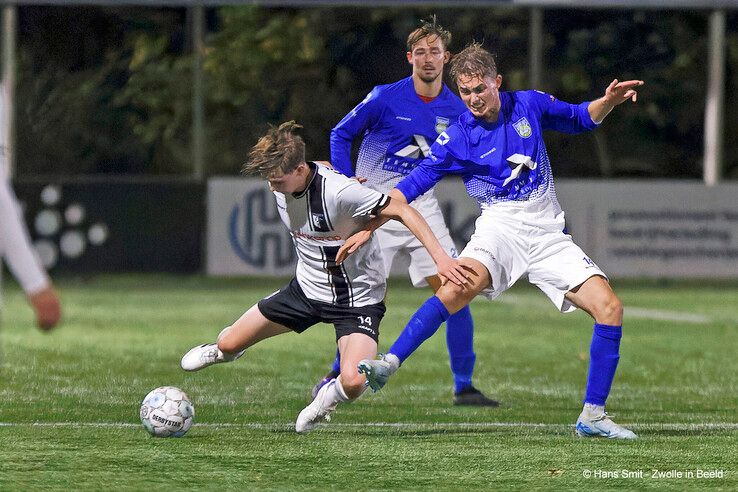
320, 219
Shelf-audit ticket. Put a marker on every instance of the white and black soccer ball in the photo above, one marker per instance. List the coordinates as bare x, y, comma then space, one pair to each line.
167, 412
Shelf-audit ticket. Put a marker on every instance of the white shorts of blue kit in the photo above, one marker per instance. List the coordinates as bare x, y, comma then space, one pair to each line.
513, 239
396, 240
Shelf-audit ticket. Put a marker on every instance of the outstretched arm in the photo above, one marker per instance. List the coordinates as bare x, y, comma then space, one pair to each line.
615, 94
448, 268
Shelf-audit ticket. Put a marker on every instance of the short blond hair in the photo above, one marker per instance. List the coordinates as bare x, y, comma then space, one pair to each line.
473, 61
429, 29
281, 149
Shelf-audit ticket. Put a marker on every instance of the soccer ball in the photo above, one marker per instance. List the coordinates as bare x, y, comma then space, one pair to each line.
167, 412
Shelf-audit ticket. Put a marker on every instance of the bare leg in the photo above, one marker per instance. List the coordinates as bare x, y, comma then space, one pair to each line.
251, 328
455, 297
353, 348
595, 296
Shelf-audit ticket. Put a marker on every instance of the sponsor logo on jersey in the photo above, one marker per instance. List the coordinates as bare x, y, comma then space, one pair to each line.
518, 163
304, 235
403, 118
404, 160
441, 124
443, 138
523, 127
417, 149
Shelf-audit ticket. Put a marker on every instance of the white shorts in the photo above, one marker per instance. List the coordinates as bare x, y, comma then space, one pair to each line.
396, 240
522, 238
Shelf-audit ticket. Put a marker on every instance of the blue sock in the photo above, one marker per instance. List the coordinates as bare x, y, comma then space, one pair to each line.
460, 342
336, 367
604, 354
422, 325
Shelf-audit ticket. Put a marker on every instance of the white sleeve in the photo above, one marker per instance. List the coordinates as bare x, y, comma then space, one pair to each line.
15, 244
357, 200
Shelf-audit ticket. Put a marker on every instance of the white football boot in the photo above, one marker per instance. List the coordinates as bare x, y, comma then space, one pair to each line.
378, 371
206, 355
594, 422
319, 411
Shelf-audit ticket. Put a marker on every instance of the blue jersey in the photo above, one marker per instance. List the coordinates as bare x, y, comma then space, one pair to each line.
398, 129
505, 160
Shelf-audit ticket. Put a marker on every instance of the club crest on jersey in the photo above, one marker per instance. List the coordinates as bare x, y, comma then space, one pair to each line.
523, 127
441, 124
319, 221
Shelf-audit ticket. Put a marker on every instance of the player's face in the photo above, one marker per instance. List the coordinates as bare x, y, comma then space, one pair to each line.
292, 182
481, 95
428, 58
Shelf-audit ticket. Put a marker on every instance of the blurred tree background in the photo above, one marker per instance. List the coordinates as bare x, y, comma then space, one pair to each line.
108, 90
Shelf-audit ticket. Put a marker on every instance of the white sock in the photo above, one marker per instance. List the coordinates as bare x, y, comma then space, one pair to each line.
593, 410
341, 395
393, 361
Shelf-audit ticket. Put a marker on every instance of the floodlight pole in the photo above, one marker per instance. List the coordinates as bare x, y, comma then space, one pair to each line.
10, 37
713, 146
198, 103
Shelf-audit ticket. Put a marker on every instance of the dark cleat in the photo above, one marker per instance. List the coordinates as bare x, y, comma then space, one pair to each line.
472, 397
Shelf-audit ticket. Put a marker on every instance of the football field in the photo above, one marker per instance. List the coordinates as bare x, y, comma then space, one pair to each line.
69, 399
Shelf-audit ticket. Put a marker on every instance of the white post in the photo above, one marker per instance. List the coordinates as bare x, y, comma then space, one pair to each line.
713, 146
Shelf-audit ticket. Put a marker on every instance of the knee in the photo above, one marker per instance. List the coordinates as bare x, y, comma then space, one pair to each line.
455, 297
610, 311
353, 384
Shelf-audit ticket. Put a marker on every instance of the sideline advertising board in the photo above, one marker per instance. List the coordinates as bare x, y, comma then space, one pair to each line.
244, 233
657, 229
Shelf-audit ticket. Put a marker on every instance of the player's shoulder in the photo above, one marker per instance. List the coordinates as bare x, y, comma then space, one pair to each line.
464, 123
527, 99
390, 91
336, 180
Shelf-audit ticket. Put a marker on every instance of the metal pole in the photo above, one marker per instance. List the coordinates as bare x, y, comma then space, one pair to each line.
713, 157
198, 103
10, 38
535, 48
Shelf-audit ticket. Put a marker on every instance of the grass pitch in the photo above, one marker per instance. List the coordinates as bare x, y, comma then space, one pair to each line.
69, 399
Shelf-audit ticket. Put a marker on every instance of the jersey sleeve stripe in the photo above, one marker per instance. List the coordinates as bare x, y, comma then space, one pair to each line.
383, 202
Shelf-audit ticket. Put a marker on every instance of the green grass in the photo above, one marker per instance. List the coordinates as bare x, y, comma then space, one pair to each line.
69, 399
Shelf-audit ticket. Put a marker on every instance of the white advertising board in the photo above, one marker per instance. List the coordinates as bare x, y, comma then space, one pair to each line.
244, 233
660, 229
654, 229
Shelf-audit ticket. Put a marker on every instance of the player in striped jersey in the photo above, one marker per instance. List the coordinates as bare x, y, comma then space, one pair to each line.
398, 122
321, 208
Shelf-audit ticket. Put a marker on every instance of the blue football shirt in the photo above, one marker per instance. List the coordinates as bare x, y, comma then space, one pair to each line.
398, 129
505, 160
